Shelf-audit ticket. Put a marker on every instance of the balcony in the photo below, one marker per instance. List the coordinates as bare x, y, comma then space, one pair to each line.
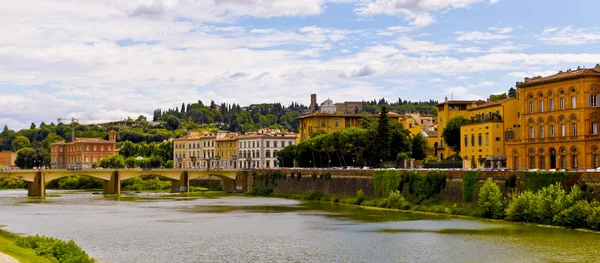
592, 136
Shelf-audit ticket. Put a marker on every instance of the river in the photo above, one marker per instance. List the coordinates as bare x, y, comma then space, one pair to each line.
159, 228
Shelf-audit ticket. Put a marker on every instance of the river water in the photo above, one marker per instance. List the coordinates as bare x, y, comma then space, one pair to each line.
159, 228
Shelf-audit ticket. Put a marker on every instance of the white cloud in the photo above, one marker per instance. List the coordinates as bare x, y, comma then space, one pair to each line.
415, 46
418, 12
569, 36
480, 36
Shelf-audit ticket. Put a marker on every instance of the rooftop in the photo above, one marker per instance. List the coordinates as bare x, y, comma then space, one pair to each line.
461, 102
561, 75
491, 104
325, 114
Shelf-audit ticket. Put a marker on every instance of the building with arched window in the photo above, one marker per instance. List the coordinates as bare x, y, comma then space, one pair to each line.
558, 119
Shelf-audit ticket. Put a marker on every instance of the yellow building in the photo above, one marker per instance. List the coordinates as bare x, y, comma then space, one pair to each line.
447, 110
332, 122
415, 123
558, 121
196, 150
227, 150
483, 139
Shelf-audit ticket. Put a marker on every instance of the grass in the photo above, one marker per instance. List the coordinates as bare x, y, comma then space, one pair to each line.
25, 255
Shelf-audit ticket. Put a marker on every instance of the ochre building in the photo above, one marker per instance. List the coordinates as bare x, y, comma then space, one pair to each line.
558, 122
7, 159
332, 122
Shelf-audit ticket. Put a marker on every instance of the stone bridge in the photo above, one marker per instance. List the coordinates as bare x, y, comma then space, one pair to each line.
180, 179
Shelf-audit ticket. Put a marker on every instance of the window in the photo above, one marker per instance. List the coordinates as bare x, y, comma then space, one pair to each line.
573, 129
87, 148
322, 123
268, 144
487, 139
472, 139
551, 104
531, 132
563, 130
479, 139
542, 132
573, 102
466, 140
552, 134
541, 106
531, 107
509, 135
102, 148
275, 144
562, 103
337, 123
574, 155
531, 159
595, 127
596, 159
542, 160
593, 100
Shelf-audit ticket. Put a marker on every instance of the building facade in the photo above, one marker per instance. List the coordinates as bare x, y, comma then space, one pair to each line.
260, 150
329, 123
82, 152
558, 122
483, 139
227, 150
447, 110
195, 151
328, 106
7, 159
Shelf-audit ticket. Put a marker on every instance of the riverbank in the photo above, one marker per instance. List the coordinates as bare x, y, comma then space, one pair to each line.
41, 249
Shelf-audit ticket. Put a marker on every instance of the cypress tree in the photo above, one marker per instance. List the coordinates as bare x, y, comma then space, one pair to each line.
382, 137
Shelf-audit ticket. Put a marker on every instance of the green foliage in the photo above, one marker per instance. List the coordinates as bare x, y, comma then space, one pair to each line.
145, 183
522, 207
395, 200
20, 142
430, 159
314, 176
593, 219
315, 195
382, 136
325, 176
75, 182
114, 161
425, 186
511, 182
360, 197
553, 205
495, 97
470, 184
451, 132
63, 252
537, 180
419, 146
491, 200
11, 183
385, 181
26, 158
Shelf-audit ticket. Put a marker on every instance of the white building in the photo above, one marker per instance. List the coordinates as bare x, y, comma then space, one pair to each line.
328, 106
259, 150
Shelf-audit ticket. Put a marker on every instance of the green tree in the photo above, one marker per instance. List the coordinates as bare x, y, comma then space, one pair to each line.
32, 126
20, 142
382, 137
451, 133
491, 200
172, 123
115, 161
419, 146
25, 158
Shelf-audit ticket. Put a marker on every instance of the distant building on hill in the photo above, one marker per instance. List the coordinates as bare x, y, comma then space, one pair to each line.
82, 152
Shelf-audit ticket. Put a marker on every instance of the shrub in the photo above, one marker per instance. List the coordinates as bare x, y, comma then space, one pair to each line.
511, 182
67, 252
593, 219
521, 207
469, 185
11, 183
574, 216
535, 181
315, 195
299, 176
491, 200
424, 187
360, 197
396, 200
385, 181
549, 202
314, 176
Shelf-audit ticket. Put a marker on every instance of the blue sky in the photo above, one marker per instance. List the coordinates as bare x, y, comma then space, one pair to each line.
114, 59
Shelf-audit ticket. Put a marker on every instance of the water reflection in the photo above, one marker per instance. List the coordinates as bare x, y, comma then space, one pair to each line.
165, 228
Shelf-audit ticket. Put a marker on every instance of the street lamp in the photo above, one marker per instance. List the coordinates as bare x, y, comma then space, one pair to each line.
329, 164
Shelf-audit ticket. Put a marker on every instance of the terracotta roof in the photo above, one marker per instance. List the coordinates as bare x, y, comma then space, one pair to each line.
562, 75
491, 103
462, 102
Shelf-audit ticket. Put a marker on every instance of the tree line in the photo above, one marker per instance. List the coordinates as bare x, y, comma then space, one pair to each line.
376, 142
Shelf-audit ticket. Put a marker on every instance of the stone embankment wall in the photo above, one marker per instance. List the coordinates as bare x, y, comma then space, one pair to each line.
348, 182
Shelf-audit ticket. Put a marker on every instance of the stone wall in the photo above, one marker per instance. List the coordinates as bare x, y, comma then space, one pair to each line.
348, 182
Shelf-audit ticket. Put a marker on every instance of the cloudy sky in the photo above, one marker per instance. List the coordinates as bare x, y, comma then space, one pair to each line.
113, 59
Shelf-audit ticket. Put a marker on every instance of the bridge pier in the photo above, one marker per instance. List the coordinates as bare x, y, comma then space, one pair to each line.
182, 185
114, 185
38, 186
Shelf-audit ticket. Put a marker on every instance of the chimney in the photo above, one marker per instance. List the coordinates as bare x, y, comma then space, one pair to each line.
112, 136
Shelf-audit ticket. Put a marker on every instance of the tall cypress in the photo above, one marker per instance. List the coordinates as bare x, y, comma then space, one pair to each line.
382, 137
